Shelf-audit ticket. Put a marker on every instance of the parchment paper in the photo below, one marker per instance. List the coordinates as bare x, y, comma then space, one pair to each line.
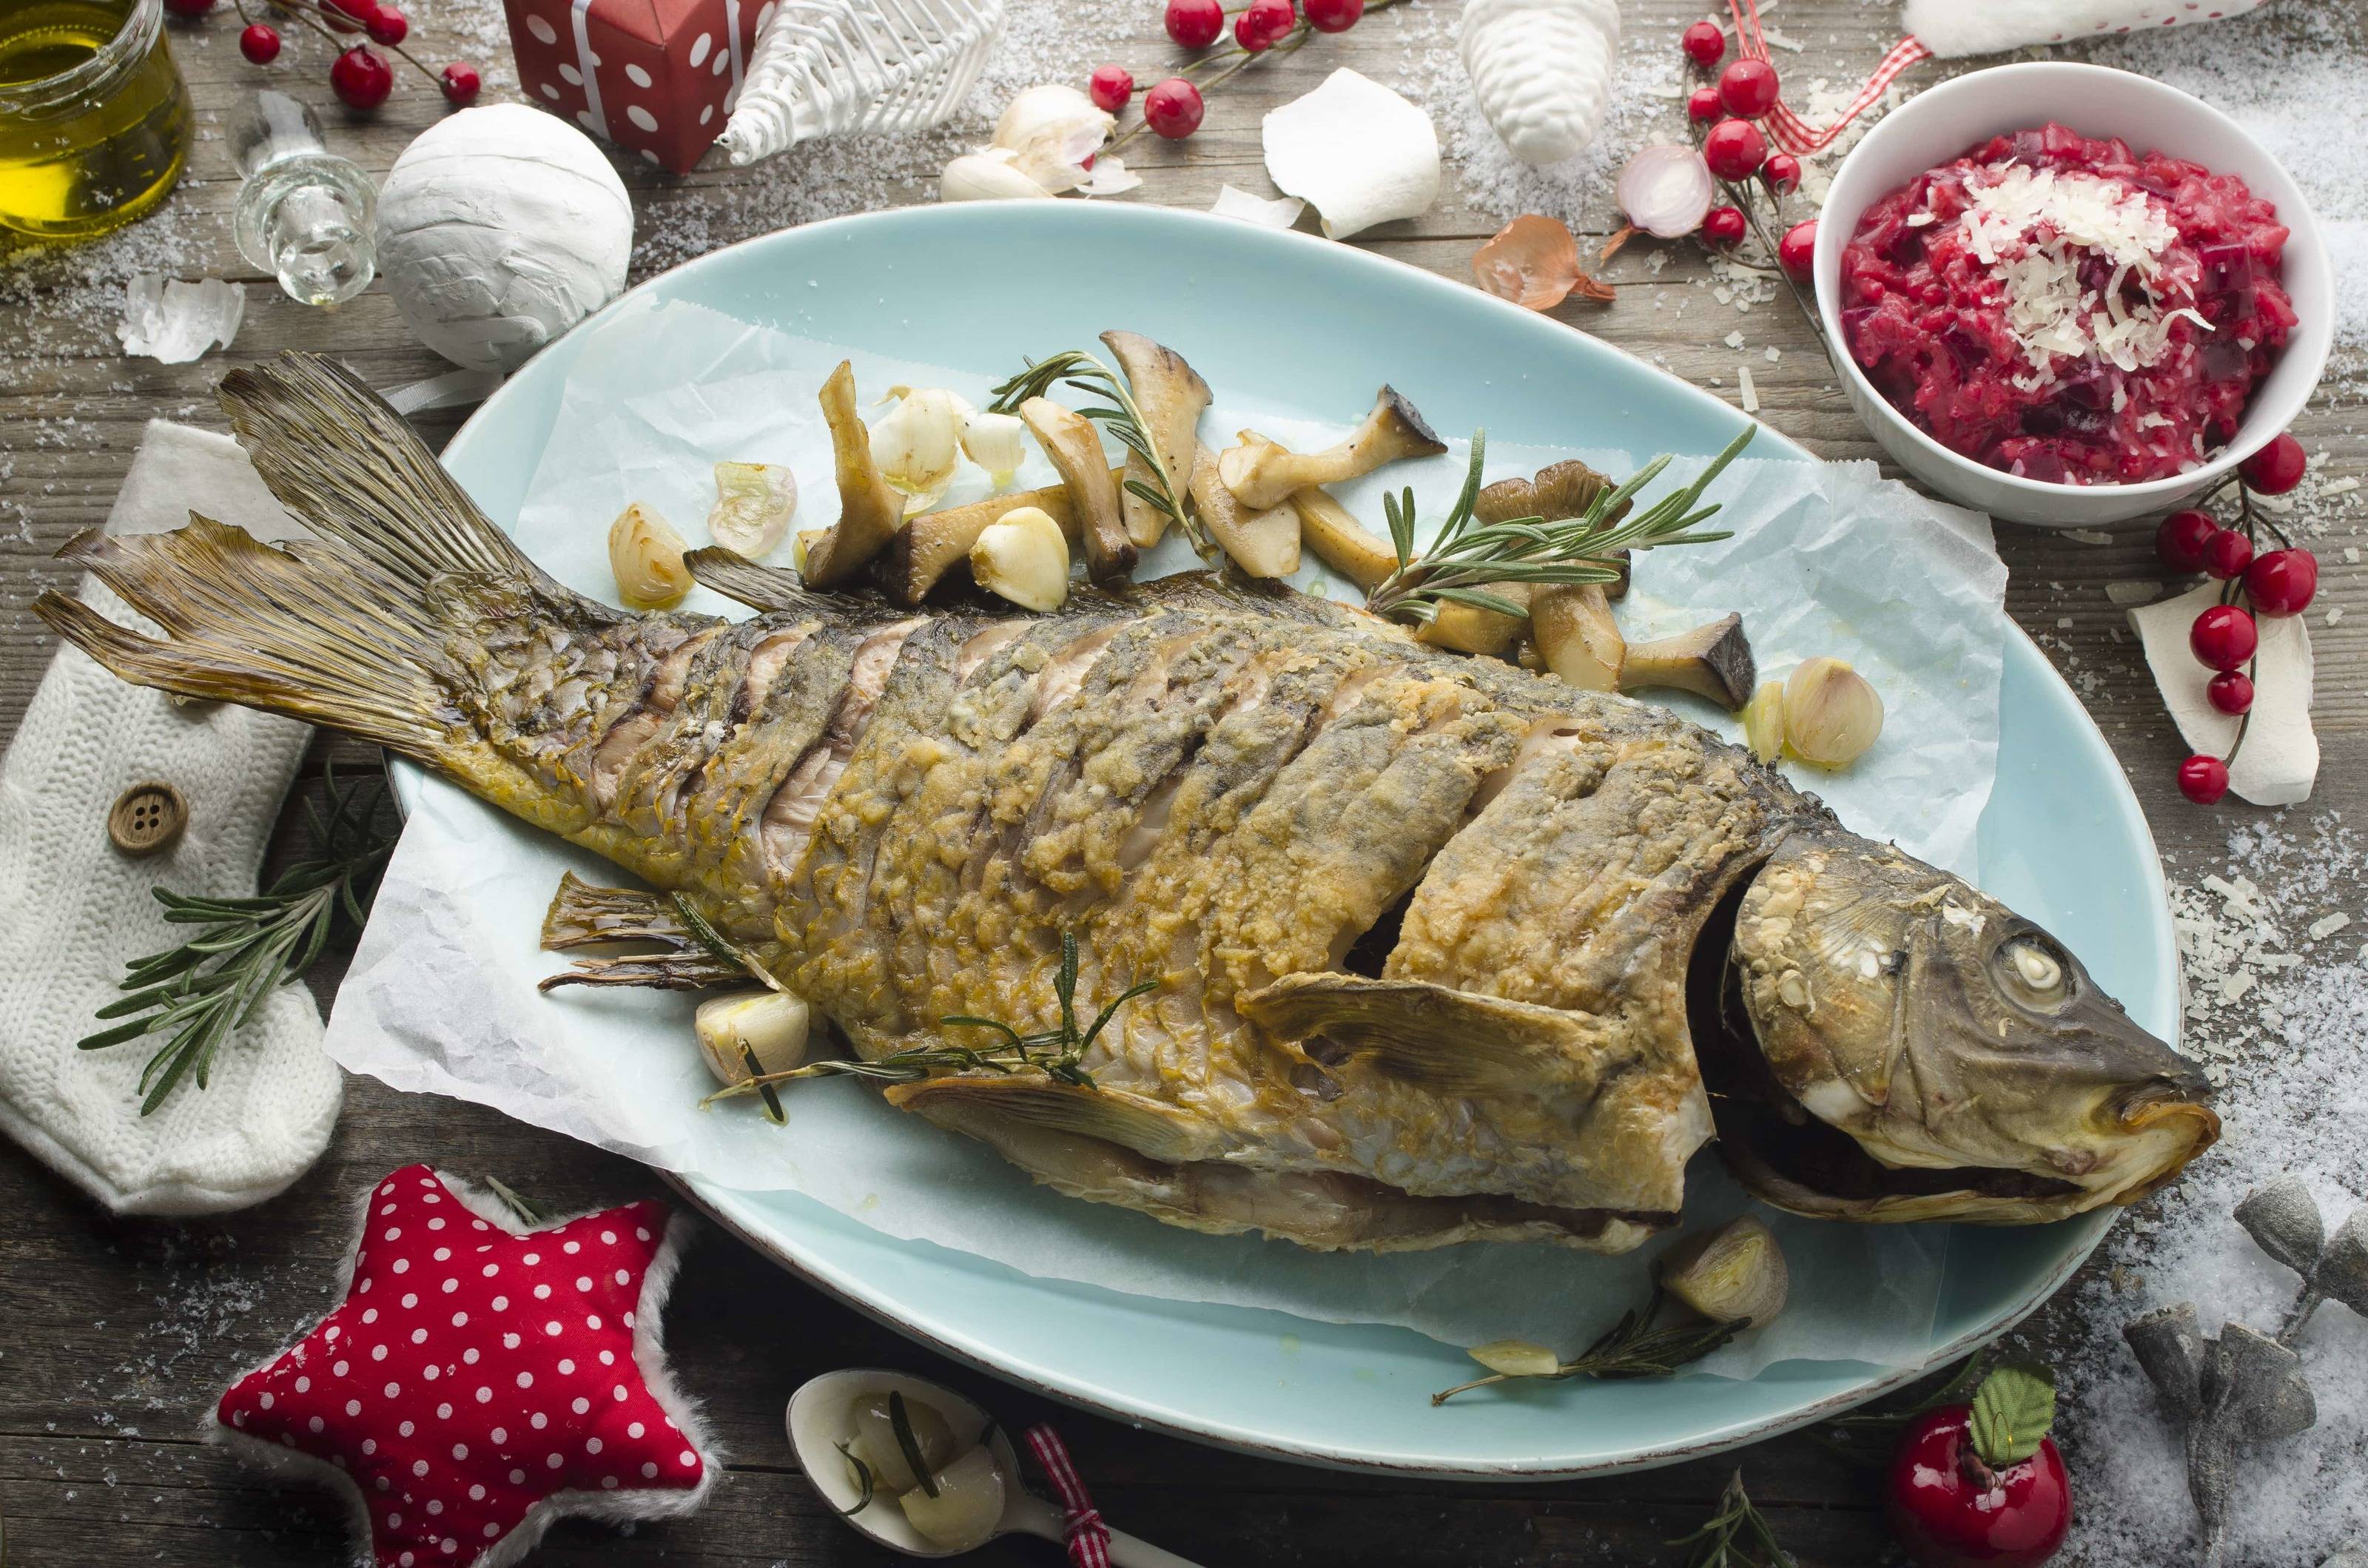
1828, 559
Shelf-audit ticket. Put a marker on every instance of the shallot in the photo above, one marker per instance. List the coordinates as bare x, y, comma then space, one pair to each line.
1533, 261
1665, 190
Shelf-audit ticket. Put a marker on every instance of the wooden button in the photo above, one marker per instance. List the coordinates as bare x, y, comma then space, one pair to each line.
146, 818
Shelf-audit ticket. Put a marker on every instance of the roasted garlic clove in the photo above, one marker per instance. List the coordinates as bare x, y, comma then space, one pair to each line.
645, 553
754, 503
996, 442
1262, 543
875, 1439
1516, 1359
1832, 714
1763, 722
1022, 556
768, 1026
919, 442
968, 1504
1729, 1275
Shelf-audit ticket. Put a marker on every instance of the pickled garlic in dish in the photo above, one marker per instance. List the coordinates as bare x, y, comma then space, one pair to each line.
950, 1490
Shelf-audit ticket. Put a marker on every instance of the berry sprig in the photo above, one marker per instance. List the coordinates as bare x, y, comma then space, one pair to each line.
358, 76
2277, 583
1175, 107
1724, 116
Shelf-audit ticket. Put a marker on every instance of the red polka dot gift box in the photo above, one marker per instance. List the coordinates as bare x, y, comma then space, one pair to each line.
482, 1380
658, 77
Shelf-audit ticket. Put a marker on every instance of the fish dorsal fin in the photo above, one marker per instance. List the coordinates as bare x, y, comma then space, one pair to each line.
1112, 1114
737, 577
1425, 1034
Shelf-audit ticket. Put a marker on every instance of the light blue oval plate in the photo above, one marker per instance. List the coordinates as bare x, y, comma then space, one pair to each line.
1308, 322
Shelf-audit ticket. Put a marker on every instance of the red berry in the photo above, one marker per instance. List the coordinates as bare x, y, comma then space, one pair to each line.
1110, 87
1722, 226
1733, 149
347, 16
360, 79
1951, 1510
1747, 87
2276, 468
2282, 583
1264, 23
1174, 109
1782, 173
460, 84
259, 44
188, 7
2181, 539
1704, 45
2226, 554
2224, 637
1195, 24
1703, 104
2230, 691
1332, 16
1797, 252
2203, 780
388, 26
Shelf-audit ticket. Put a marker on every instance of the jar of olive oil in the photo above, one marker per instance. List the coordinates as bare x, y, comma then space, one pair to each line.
94, 120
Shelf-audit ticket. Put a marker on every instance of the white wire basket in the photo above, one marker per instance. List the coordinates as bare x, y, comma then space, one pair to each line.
855, 68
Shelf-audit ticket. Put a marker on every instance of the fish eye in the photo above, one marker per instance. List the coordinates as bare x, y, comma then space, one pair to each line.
2033, 972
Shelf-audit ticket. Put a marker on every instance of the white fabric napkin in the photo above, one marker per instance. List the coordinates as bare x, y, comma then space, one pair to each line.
74, 909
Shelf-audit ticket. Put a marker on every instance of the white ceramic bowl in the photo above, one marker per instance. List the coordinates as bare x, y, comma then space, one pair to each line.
1940, 124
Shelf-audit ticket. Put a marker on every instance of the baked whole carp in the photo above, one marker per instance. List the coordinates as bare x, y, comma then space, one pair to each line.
1442, 950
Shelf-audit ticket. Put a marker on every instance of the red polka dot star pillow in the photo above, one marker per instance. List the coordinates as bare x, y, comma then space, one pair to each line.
480, 1380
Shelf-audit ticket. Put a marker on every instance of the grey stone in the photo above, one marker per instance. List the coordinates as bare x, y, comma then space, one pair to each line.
2284, 1220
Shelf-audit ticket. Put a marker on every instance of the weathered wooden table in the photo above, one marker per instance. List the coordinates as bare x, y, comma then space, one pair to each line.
115, 1336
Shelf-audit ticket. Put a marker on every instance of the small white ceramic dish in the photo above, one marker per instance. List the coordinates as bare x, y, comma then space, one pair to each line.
1940, 124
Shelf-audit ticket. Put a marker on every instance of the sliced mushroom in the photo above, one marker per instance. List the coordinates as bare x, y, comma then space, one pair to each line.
1261, 474
1171, 396
1075, 449
1468, 629
869, 509
927, 548
1576, 636
1559, 491
1713, 661
1263, 544
1340, 541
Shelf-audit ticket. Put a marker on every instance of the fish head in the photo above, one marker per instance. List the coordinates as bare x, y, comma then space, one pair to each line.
1978, 1070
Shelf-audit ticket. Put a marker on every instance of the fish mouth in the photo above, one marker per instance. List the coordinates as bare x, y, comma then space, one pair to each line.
1789, 1157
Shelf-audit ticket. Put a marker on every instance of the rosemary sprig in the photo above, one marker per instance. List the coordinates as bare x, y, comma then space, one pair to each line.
900, 1421
1055, 1052
1465, 558
1737, 1535
1076, 369
525, 1208
866, 1482
247, 948
1632, 1347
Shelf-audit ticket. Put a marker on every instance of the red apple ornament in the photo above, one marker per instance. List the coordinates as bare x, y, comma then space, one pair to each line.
1980, 1486
1195, 24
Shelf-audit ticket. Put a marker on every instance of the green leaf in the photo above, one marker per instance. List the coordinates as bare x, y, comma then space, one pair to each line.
2012, 1411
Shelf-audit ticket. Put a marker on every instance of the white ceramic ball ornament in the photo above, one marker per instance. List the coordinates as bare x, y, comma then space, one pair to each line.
498, 229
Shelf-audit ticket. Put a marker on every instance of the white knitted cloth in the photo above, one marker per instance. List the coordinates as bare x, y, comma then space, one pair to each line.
72, 909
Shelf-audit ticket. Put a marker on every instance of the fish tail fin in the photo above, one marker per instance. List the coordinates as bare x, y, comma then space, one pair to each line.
309, 629
340, 457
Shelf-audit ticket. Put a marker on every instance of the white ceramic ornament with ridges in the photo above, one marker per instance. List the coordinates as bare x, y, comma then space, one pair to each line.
498, 229
858, 67
1541, 71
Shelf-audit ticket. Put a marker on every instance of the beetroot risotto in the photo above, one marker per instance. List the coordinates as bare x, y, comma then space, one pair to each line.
2061, 309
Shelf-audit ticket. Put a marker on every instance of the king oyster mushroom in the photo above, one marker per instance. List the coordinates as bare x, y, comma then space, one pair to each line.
1262, 543
1171, 397
870, 509
929, 546
1555, 494
1075, 449
1262, 473
1340, 541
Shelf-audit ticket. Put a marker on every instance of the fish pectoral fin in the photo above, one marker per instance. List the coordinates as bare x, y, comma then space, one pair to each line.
1113, 1116
1425, 1034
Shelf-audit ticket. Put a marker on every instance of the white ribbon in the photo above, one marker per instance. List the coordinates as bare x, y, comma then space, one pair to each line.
582, 11
732, 41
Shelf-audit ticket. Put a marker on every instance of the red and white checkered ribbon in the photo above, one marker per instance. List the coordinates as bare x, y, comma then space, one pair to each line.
1788, 130
1081, 1522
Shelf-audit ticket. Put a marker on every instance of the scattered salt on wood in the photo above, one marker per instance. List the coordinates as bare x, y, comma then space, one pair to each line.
2133, 593
2089, 536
